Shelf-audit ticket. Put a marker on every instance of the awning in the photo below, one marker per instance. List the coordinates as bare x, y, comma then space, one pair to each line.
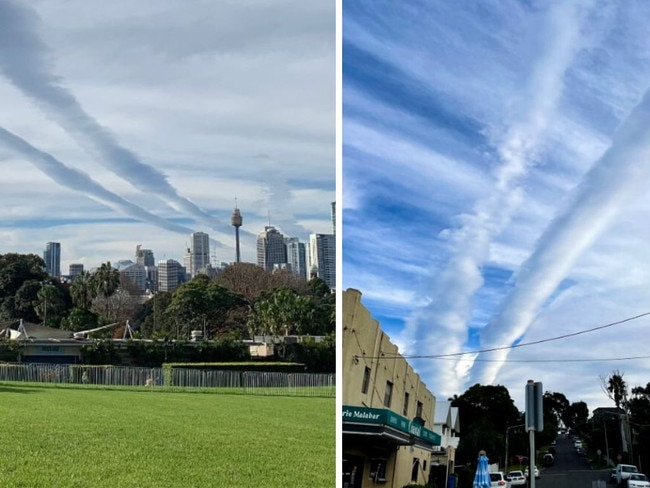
386, 423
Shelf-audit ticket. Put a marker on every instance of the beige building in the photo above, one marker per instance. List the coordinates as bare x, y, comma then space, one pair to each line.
388, 412
447, 424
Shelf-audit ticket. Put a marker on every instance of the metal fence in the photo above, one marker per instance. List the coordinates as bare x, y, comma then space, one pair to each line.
174, 379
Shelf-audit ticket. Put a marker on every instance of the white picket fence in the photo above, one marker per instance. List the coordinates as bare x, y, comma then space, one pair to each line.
176, 379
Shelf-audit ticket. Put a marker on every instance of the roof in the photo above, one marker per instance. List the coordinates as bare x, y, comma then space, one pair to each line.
27, 330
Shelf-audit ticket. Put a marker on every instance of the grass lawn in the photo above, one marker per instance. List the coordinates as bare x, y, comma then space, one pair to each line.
89, 438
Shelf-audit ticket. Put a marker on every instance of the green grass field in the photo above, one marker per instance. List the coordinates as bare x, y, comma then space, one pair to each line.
87, 438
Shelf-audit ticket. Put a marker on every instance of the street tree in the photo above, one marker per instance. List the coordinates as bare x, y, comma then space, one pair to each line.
486, 412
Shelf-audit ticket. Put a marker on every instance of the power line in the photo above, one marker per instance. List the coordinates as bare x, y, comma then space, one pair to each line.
513, 346
583, 360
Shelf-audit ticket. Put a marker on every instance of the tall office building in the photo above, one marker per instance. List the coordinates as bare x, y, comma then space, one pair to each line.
270, 248
52, 258
334, 218
322, 257
296, 257
75, 270
169, 275
199, 253
144, 257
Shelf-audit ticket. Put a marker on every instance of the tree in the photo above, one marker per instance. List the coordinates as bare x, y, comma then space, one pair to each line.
83, 290
251, 281
615, 388
201, 305
25, 301
324, 304
51, 304
79, 319
283, 313
486, 411
105, 282
15, 271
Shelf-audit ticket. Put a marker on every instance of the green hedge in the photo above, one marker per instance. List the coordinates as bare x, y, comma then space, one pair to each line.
270, 367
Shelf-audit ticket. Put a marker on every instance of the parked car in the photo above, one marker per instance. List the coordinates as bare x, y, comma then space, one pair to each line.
612, 476
638, 480
623, 472
536, 472
498, 480
548, 460
516, 478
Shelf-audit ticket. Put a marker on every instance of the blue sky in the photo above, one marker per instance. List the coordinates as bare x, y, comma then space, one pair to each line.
496, 160
136, 123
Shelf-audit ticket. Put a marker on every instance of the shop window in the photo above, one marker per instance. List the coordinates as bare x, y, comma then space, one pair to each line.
418, 410
366, 380
388, 395
415, 470
378, 470
405, 408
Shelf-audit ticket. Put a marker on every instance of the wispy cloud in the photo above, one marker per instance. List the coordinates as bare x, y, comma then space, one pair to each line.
81, 182
620, 175
24, 60
443, 323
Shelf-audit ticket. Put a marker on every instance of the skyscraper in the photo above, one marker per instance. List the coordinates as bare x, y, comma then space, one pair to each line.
199, 253
296, 256
168, 275
144, 256
75, 270
322, 257
270, 248
236, 221
334, 218
52, 258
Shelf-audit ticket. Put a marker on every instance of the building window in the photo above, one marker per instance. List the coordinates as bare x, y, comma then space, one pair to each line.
418, 410
388, 395
424, 465
405, 409
378, 470
415, 470
366, 380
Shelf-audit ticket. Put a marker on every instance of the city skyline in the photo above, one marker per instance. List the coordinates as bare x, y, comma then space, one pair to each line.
108, 145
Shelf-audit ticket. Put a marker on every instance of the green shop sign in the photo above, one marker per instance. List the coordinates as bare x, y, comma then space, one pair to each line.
382, 416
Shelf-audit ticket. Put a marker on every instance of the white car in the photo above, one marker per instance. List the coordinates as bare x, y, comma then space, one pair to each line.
536, 472
498, 480
623, 472
516, 478
638, 480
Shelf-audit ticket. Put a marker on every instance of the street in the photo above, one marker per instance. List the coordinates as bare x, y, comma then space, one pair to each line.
570, 470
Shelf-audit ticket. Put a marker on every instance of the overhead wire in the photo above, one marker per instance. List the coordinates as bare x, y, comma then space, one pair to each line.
521, 344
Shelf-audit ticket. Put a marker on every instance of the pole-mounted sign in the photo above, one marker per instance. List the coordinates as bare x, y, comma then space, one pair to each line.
534, 422
534, 408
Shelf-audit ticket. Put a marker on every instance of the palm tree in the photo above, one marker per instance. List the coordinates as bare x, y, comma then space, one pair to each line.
82, 290
106, 281
617, 388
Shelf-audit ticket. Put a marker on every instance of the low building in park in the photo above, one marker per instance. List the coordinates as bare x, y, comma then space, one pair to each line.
388, 412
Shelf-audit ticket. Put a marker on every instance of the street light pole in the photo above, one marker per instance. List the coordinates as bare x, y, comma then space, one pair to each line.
606, 443
507, 437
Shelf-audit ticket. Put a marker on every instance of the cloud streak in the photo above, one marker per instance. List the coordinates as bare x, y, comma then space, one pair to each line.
81, 182
442, 324
620, 174
24, 62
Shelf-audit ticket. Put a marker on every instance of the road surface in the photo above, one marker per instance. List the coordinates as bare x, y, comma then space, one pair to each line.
570, 470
